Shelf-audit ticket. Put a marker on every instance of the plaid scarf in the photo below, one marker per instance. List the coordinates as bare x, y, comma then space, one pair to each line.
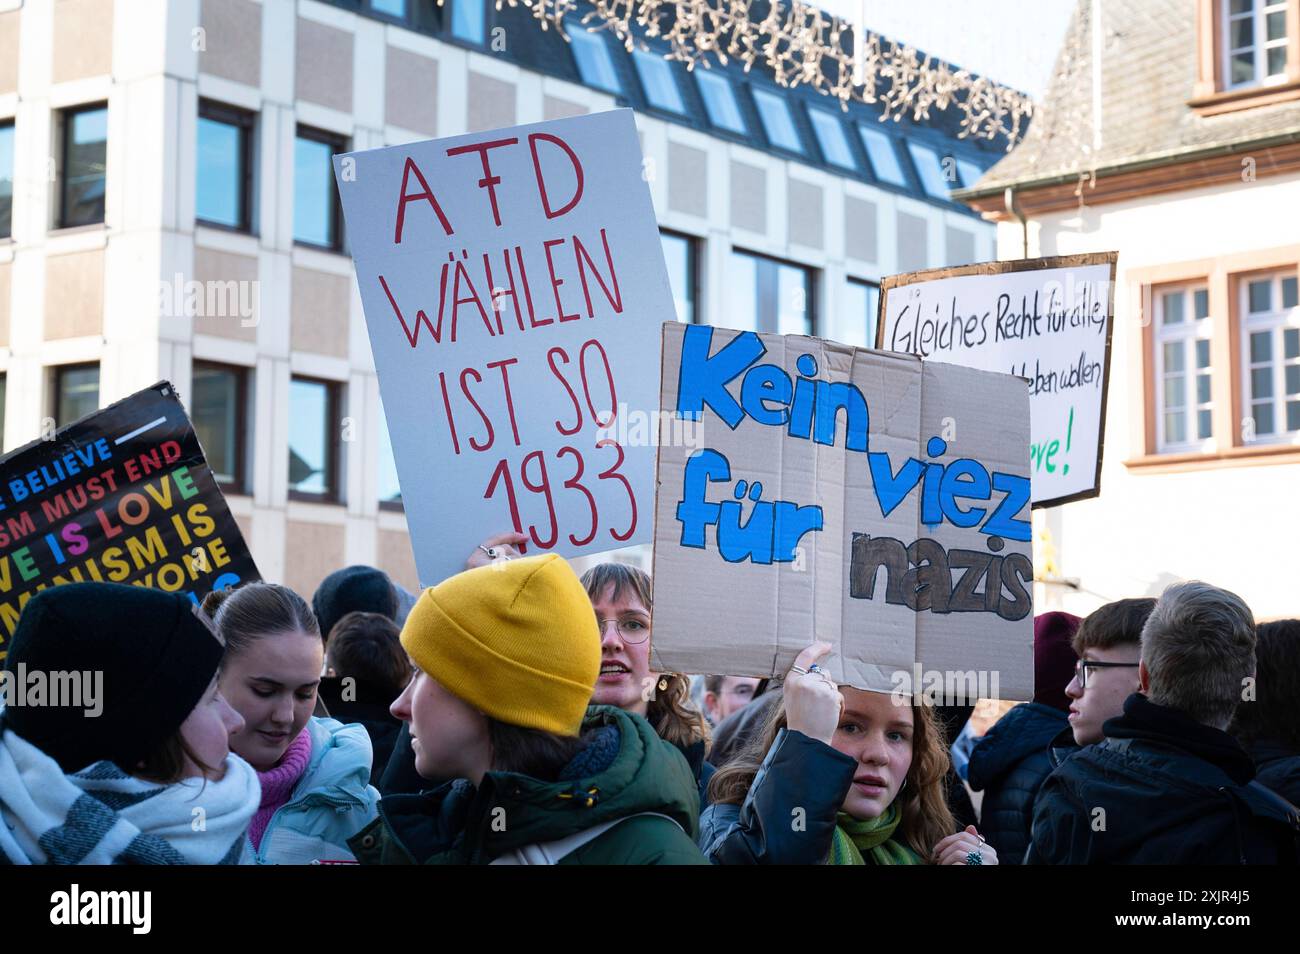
861, 842
101, 815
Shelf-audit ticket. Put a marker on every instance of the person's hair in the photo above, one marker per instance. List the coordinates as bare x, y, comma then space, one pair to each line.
1272, 715
166, 764
532, 752
1198, 645
669, 710
368, 646
713, 684
249, 612
1115, 624
926, 818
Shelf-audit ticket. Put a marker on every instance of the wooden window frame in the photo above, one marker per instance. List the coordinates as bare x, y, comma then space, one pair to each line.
1211, 94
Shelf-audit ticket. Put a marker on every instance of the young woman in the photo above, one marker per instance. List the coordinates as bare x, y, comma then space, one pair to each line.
839, 776
119, 774
508, 656
314, 773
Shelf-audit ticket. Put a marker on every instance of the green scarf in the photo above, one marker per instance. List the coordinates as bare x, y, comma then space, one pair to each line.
853, 840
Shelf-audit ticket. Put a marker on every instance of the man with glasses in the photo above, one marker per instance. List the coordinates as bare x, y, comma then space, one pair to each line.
1166, 784
1108, 644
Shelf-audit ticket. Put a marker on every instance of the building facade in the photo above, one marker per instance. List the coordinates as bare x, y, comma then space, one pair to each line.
171, 214
1172, 134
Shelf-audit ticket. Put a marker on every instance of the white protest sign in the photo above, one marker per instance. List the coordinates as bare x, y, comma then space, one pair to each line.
1045, 319
862, 497
513, 284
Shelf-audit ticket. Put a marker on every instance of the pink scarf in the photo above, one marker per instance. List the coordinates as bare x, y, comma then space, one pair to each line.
278, 784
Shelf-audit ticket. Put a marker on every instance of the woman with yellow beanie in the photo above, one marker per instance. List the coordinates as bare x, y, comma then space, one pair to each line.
508, 655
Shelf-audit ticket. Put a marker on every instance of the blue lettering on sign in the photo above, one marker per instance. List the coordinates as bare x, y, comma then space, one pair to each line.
812, 409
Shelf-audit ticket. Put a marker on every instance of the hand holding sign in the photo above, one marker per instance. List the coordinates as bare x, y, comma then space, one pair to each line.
813, 702
503, 546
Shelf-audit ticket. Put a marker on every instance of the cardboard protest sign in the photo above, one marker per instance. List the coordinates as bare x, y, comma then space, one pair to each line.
513, 284
1045, 319
862, 497
123, 495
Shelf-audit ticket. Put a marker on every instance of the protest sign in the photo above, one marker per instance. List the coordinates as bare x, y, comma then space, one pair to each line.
123, 495
513, 284
1045, 319
866, 498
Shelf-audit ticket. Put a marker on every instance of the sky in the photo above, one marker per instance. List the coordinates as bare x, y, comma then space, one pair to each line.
1012, 41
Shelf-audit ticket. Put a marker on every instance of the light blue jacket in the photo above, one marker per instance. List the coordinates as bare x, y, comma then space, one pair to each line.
331, 802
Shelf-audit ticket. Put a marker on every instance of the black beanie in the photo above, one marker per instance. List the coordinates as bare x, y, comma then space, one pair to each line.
157, 658
355, 589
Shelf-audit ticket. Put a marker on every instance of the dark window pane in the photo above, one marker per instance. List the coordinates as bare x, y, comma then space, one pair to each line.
1243, 67
310, 435
1173, 356
467, 21
1175, 391
679, 256
1276, 61
1204, 428
313, 193
1289, 292
1202, 389
220, 168
1242, 6
1293, 415
77, 393
1293, 379
1261, 347
1202, 353
6, 180
1172, 307
720, 100
84, 150
1263, 417
1261, 295
1200, 303
1291, 342
214, 411
1241, 33
1261, 383
1175, 427
1277, 25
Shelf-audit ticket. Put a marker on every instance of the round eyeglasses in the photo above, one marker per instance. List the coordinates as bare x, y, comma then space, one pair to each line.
630, 630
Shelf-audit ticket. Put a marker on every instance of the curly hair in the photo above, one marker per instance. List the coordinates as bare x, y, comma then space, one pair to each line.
923, 799
669, 710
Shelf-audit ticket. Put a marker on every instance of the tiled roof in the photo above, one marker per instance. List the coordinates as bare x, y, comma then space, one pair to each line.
1148, 68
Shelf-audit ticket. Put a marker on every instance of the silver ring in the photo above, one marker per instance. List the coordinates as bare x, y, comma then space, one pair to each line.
815, 668
488, 550
975, 857
802, 672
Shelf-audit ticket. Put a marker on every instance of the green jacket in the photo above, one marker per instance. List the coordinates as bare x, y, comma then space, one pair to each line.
459, 824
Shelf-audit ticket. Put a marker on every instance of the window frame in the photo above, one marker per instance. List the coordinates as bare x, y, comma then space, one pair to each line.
873, 319
692, 271
246, 122
1259, 47
333, 445
449, 15
762, 94
810, 273
572, 28
340, 144
56, 396
865, 135
65, 140
703, 76
239, 484
10, 122
640, 62
829, 117
1275, 322
1185, 334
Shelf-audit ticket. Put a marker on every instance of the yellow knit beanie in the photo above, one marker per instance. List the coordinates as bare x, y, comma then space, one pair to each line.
517, 640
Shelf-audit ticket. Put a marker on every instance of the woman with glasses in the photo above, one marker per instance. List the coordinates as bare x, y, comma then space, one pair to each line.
838, 776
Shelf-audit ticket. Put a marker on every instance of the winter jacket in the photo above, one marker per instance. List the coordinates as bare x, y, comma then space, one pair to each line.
1160, 789
331, 802
624, 770
1009, 765
1277, 767
368, 707
788, 816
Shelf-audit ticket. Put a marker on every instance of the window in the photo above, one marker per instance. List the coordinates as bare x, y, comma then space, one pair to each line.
391, 8
468, 20
1271, 358
316, 218
884, 160
777, 123
720, 101
660, 84
6, 179
1254, 42
857, 323
934, 178
679, 256
85, 146
595, 64
224, 167
1182, 343
313, 439
970, 172
76, 392
767, 295
218, 411
830, 136
390, 491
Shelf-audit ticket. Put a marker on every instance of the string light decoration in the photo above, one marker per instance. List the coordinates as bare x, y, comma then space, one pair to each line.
803, 45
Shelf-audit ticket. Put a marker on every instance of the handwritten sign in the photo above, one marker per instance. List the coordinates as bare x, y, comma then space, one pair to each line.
1048, 320
861, 497
513, 284
123, 495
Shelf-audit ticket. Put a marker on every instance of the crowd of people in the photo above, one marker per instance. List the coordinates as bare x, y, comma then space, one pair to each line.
510, 715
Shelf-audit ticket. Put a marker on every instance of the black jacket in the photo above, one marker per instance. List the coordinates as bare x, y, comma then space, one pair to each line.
1160, 789
366, 705
1009, 765
788, 816
1277, 767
